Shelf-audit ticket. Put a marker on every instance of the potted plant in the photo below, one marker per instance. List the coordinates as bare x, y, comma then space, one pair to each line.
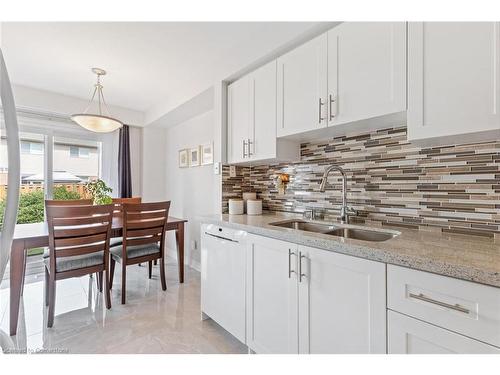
99, 192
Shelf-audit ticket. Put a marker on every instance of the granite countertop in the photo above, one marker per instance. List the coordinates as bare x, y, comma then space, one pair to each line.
466, 257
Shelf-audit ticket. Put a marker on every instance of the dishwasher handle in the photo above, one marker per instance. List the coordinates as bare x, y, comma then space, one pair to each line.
220, 237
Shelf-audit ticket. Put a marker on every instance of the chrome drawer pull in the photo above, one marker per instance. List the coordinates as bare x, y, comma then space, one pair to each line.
455, 307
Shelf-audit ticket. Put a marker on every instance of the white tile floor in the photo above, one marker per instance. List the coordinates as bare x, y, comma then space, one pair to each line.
152, 321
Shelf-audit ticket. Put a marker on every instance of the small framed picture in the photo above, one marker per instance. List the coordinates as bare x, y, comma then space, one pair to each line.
207, 153
194, 157
183, 158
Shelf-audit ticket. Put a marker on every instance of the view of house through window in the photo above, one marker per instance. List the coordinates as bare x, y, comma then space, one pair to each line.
76, 162
31, 200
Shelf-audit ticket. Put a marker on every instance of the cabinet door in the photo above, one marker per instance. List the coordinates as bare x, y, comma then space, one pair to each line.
366, 70
453, 79
342, 307
239, 115
302, 88
271, 296
263, 120
412, 336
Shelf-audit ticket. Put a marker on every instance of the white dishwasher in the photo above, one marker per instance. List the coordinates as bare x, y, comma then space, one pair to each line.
223, 266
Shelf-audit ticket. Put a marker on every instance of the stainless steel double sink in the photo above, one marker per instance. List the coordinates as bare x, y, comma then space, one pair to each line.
337, 230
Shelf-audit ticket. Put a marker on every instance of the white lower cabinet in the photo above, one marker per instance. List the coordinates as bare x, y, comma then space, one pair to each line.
271, 296
342, 306
305, 300
407, 335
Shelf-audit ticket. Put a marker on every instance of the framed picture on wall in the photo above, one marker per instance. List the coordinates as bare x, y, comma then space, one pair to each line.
183, 158
194, 157
207, 153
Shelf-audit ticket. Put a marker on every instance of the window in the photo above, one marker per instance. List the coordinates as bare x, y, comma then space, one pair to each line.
31, 147
79, 152
71, 172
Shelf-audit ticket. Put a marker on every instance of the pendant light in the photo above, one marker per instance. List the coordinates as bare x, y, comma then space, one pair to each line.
98, 123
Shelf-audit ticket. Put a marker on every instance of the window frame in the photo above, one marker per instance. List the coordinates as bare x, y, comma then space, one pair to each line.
51, 129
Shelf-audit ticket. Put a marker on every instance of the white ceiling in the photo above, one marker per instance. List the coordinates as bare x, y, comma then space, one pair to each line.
151, 66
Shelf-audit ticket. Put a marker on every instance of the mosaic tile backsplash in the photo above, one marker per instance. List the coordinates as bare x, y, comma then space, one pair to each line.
390, 182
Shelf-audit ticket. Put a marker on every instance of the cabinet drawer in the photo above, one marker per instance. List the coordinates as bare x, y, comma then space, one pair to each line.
411, 336
465, 307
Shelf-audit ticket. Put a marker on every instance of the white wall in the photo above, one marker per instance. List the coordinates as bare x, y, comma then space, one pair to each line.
154, 164
193, 191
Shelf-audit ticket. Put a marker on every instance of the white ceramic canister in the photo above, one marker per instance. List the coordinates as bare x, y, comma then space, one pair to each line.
254, 207
247, 196
236, 206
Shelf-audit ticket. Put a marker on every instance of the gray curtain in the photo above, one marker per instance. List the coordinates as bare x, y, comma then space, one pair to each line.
124, 174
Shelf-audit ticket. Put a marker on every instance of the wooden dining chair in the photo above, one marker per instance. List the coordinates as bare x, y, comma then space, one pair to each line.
68, 202
79, 245
118, 212
118, 202
144, 233
73, 202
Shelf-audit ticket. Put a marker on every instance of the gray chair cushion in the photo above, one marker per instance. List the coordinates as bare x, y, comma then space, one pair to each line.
76, 262
135, 251
116, 241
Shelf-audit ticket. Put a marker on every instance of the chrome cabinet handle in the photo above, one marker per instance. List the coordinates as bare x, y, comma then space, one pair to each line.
250, 153
332, 100
244, 151
290, 271
320, 117
301, 275
455, 307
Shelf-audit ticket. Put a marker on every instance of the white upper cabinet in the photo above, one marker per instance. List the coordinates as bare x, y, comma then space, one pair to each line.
342, 304
263, 137
302, 88
240, 108
366, 70
252, 120
453, 81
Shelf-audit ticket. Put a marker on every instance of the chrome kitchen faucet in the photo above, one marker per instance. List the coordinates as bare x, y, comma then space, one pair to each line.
345, 210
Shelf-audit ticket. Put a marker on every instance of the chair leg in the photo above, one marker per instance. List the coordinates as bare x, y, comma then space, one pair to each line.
156, 262
124, 281
150, 266
100, 283
107, 289
52, 301
162, 275
46, 286
112, 273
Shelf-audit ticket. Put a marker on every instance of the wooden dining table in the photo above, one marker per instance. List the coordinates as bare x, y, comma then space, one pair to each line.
28, 236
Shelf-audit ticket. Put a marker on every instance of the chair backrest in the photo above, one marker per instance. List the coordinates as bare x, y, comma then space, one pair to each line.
79, 230
118, 202
144, 223
69, 202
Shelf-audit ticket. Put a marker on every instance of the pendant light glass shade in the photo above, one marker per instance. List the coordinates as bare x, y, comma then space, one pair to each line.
98, 123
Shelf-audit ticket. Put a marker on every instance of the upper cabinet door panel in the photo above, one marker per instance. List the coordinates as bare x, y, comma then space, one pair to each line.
239, 115
264, 112
366, 70
302, 88
453, 78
